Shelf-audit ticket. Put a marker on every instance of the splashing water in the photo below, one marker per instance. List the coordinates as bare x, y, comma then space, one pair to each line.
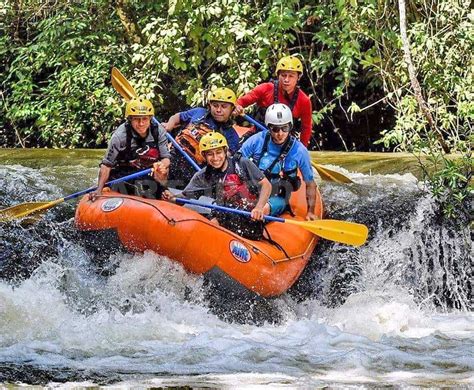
397, 310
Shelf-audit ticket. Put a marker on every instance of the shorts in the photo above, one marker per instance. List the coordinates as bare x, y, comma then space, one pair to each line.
277, 205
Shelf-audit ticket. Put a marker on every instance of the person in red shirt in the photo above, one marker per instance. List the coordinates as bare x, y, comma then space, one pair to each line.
283, 90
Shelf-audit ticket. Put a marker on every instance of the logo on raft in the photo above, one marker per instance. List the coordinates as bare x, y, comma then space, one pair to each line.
111, 204
240, 251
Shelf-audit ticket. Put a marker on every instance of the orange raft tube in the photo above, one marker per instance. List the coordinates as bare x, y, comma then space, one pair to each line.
201, 247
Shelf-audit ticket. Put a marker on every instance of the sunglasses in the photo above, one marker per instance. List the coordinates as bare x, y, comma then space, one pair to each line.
276, 129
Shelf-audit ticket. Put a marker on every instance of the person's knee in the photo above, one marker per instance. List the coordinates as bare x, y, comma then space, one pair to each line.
147, 189
277, 205
123, 188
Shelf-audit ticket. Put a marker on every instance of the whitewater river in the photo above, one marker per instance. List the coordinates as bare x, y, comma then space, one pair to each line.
397, 311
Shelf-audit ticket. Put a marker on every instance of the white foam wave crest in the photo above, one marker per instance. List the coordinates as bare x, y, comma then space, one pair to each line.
150, 316
26, 184
142, 320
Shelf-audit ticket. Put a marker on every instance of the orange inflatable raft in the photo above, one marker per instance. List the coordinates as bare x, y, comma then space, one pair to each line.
185, 236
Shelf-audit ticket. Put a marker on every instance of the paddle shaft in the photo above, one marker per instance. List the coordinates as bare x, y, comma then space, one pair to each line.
125, 89
340, 231
180, 149
109, 183
255, 122
226, 209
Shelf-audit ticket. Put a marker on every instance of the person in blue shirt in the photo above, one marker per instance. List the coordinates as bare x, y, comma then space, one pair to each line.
194, 124
217, 117
279, 156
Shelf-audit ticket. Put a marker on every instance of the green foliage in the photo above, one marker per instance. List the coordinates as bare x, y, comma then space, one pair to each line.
450, 181
55, 85
442, 52
55, 60
442, 49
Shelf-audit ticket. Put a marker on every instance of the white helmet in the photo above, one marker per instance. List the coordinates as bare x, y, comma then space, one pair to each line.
278, 114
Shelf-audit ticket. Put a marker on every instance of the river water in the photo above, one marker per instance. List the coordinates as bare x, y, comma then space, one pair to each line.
397, 311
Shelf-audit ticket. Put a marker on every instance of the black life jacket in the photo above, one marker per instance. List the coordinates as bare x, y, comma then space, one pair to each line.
142, 155
285, 181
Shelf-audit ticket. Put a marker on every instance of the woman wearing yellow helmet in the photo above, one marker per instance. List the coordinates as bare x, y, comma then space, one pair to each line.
136, 144
233, 182
283, 90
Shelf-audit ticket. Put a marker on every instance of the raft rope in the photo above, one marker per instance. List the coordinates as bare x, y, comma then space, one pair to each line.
173, 221
274, 243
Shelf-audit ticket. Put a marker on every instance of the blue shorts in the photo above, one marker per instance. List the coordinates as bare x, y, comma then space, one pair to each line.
277, 205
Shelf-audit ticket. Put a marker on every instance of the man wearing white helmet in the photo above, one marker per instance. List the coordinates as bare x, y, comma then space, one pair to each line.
279, 155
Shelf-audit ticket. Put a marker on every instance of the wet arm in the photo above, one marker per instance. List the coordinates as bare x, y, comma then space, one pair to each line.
265, 191
173, 122
104, 173
311, 189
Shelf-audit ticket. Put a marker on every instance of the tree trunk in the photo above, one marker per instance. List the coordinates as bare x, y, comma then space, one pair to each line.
131, 27
413, 79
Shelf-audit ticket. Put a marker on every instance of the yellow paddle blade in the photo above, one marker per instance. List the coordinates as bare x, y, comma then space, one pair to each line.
350, 233
330, 175
121, 85
24, 209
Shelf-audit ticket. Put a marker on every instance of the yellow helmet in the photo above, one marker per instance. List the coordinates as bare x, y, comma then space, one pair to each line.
139, 106
223, 95
289, 63
212, 140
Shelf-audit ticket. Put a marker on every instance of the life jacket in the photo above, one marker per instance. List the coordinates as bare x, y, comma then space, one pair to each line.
235, 190
141, 156
231, 188
190, 136
189, 139
260, 114
285, 181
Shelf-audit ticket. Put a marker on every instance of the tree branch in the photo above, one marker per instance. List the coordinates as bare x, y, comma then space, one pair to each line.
413, 79
133, 31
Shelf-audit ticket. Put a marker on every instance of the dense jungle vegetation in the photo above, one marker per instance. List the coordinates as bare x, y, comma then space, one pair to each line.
382, 75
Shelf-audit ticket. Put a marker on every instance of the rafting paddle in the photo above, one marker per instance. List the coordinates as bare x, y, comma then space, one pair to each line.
330, 175
340, 231
24, 209
350, 233
125, 89
324, 172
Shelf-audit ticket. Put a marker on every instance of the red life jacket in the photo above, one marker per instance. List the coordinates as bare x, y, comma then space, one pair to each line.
146, 157
236, 192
